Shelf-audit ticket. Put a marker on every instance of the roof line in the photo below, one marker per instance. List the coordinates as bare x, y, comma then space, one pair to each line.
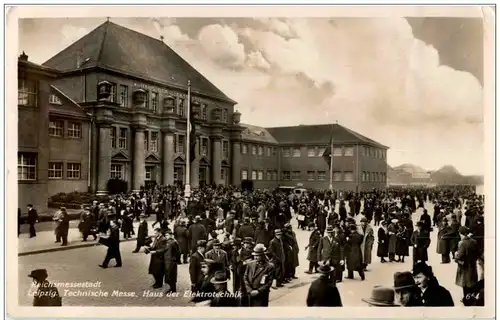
67, 97
101, 47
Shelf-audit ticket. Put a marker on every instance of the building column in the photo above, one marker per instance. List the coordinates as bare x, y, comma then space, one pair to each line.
94, 151
168, 158
216, 159
139, 155
104, 157
195, 166
236, 164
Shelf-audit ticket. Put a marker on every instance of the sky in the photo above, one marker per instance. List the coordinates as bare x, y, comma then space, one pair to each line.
413, 84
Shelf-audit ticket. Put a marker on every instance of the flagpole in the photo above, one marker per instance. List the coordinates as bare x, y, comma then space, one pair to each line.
187, 190
331, 161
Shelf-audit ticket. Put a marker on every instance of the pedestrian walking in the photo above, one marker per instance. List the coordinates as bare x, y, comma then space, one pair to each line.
113, 243
142, 234
420, 240
353, 253
172, 259
312, 249
383, 242
32, 219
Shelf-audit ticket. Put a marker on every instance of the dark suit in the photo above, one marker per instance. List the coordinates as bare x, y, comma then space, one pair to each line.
196, 232
113, 243
142, 234
195, 270
157, 262
332, 251
32, 217
276, 253
422, 240
172, 258
259, 276
221, 258
323, 293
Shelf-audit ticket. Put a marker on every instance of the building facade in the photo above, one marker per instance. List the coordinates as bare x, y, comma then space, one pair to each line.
114, 105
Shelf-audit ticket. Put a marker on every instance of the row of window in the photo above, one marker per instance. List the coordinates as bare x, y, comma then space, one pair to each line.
258, 150
296, 152
60, 128
56, 169
271, 175
202, 145
27, 93
373, 152
120, 95
296, 175
374, 176
27, 168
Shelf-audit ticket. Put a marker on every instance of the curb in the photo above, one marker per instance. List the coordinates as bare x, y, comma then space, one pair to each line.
78, 246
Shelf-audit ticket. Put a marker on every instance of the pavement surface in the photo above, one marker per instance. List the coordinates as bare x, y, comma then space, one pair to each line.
80, 265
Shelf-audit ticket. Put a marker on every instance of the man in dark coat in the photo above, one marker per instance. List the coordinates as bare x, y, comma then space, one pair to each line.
353, 253
420, 241
113, 244
425, 218
290, 239
433, 295
222, 296
312, 247
321, 219
195, 265
32, 219
47, 294
219, 256
331, 252
258, 278
263, 234
246, 230
466, 259
172, 259
157, 262
443, 245
276, 253
323, 292
142, 233
182, 237
196, 232
383, 242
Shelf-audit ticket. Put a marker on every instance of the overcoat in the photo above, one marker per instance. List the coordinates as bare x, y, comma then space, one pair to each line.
196, 232
323, 293
383, 243
466, 258
181, 235
157, 261
443, 245
367, 244
259, 276
353, 251
312, 250
422, 240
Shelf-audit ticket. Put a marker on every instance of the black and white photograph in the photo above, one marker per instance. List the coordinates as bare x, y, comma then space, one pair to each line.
252, 159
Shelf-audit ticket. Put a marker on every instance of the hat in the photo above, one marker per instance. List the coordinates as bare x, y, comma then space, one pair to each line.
422, 267
39, 274
201, 243
394, 220
463, 230
215, 242
381, 296
236, 241
325, 269
329, 229
363, 219
277, 231
259, 250
219, 277
403, 280
197, 218
248, 240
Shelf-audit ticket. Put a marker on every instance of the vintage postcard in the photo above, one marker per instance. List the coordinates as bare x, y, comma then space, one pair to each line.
274, 159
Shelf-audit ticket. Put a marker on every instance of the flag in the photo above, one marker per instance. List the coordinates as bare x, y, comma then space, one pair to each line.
192, 136
328, 150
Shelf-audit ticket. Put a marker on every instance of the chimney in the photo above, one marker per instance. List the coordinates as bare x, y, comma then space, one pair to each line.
23, 57
161, 38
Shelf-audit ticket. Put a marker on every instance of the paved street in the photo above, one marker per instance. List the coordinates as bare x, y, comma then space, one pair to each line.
80, 265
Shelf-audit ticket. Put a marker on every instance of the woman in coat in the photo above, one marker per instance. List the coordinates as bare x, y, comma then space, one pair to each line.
383, 242
392, 229
402, 240
312, 247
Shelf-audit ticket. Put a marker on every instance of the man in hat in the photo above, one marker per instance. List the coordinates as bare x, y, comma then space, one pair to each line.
259, 278
222, 296
182, 237
420, 240
331, 252
246, 229
142, 233
157, 262
172, 259
46, 294
425, 218
196, 232
323, 292
353, 253
466, 259
291, 252
195, 265
86, 223
235, 264
312, 247
432, 294
368, 239
62, 226
407, 293
277, 256
381, 297
219, 256
444, 241
113, 244
32, 219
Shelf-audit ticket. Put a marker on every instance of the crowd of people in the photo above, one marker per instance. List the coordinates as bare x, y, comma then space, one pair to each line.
245, 237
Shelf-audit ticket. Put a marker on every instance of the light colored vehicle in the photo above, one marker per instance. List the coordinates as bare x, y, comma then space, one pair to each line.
299, 192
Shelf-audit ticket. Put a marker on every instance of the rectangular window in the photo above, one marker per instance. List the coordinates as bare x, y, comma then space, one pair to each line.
55, 170
113, 137
244, 149
310, 175
268, 151
123, 96
56, 128
224, 115
311, 152
337, 176
75, 130
363, 176
254, 174
349, 151
260, 175
154, 101
113, 92
146, 140
180, 143
204, 111
321, 151
275, 175
73, 170
225, 149
296, 152
53, 99
27, 93
180, 107
148, 174
146, 102
337, 151
154, 142
244, 174
269, 175
223, 173
296, 175
26, 166
286, 152
274, 151
261, 151
122, 140
321, 175
116, 171
363, 151
348, 176
254, 150
285, 175
204, 147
